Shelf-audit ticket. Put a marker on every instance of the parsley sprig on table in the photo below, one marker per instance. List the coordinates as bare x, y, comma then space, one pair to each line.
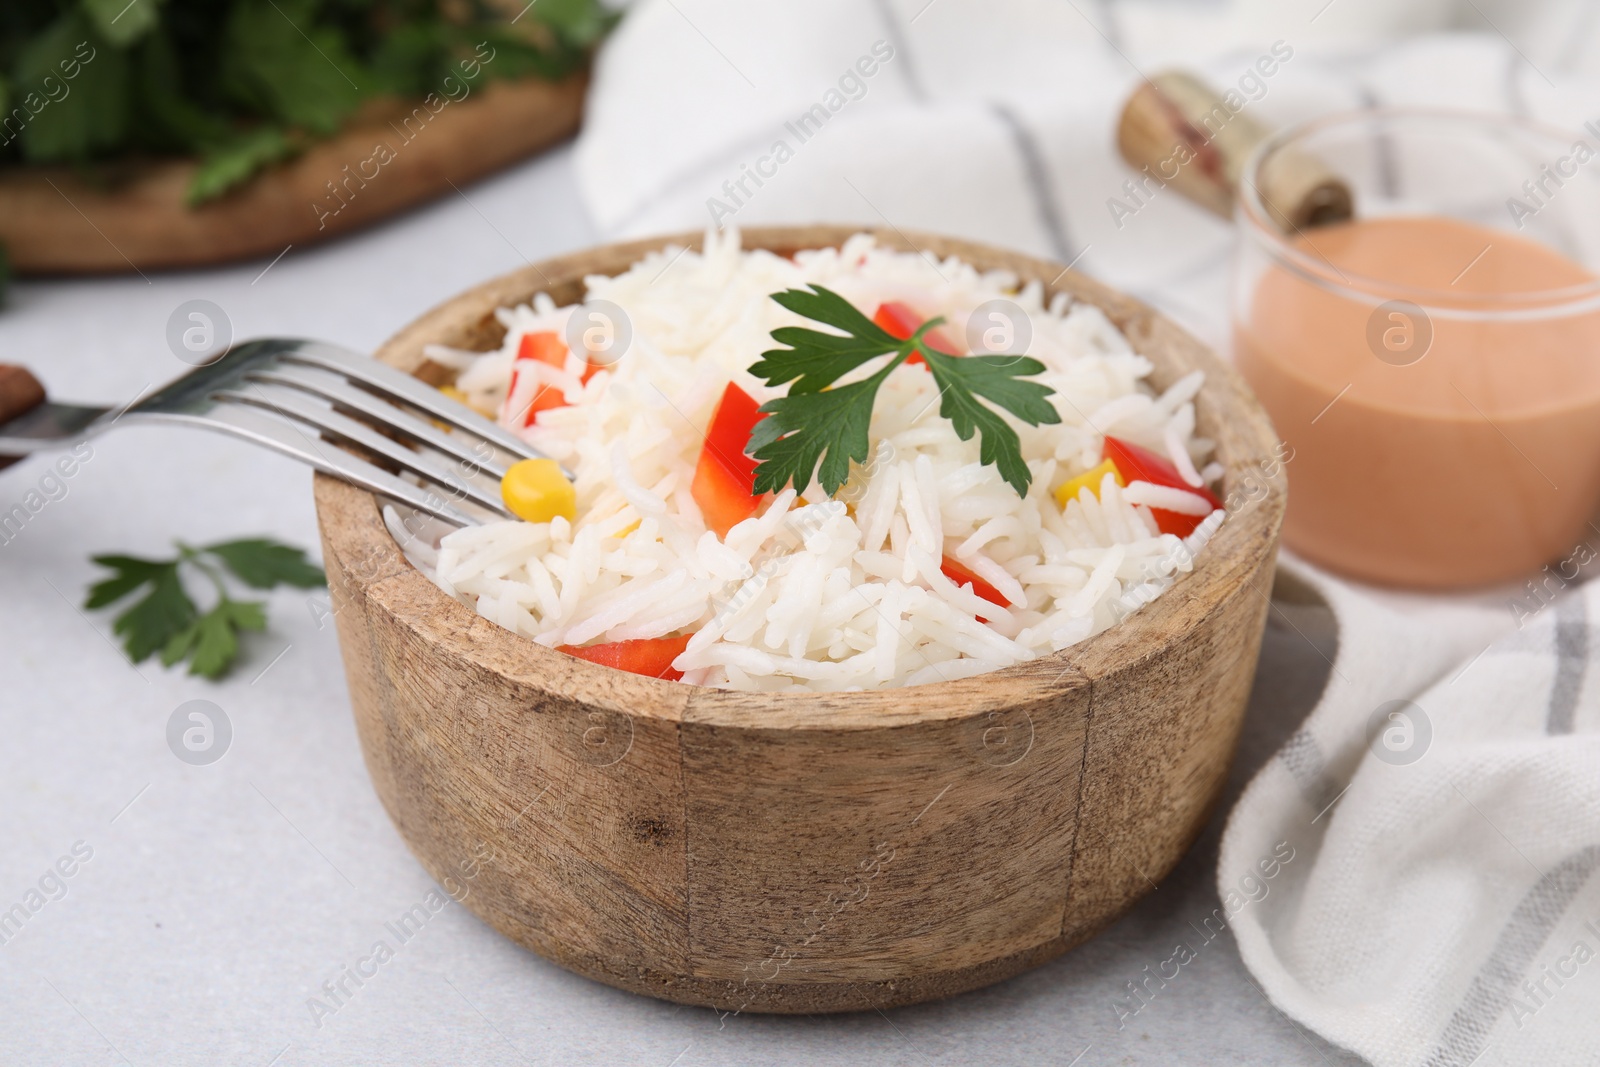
165, 620
819, 421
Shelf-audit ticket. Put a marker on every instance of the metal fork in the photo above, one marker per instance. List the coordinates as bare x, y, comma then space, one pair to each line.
312, 401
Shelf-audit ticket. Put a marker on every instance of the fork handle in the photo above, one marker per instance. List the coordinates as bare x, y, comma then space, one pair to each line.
20, 393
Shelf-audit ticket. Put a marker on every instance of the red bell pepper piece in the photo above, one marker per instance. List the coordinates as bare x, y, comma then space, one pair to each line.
961, 576
649, 656
1137, 464
901, 321
725, 477
544, 346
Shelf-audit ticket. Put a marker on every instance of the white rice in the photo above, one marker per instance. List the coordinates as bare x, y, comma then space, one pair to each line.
824, 594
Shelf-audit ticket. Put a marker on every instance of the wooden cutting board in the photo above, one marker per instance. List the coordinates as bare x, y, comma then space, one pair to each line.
58, 220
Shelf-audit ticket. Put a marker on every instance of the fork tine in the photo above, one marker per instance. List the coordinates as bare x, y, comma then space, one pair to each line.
260, 427
408, 390
386, 415
295, 405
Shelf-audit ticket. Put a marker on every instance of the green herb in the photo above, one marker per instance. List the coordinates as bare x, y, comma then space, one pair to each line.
165, 620
244, 84
232, 162
818, 421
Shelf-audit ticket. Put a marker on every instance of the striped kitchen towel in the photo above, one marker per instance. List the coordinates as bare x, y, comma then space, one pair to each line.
1443, 804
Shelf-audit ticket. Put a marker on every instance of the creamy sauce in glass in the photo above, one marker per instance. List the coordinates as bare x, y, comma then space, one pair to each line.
1476, 463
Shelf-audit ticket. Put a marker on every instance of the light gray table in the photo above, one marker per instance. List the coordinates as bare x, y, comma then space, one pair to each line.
219, 898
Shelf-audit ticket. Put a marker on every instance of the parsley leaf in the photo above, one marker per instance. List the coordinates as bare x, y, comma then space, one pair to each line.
262, 563
212, 642
820, 423
818, 359
166, 620
131, 573
284, 64
155, 619
962, 379
806, 427
235, 160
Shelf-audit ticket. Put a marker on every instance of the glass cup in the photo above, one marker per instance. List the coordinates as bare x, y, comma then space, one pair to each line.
1433, 366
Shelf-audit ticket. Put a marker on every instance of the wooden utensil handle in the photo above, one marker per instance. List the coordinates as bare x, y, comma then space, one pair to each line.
1181, 132
20, 392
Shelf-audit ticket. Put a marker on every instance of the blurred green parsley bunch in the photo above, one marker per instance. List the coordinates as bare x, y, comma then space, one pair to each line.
242, 84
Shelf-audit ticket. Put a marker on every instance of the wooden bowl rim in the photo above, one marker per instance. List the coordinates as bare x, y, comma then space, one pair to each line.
353, 528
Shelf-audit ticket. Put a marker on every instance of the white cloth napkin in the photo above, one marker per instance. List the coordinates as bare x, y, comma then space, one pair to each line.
1436, 868
1443, 806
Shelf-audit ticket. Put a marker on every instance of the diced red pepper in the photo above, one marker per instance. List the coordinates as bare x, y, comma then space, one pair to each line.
649, 656
1137, 464
546, 398
725, 477
548, 348
901, 321
961, 576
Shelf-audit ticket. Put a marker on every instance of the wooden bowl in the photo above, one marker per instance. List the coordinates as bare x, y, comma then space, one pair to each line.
804, 852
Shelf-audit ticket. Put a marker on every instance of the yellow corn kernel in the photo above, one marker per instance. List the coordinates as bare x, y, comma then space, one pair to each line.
536, 490
1090, 479
453, 393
